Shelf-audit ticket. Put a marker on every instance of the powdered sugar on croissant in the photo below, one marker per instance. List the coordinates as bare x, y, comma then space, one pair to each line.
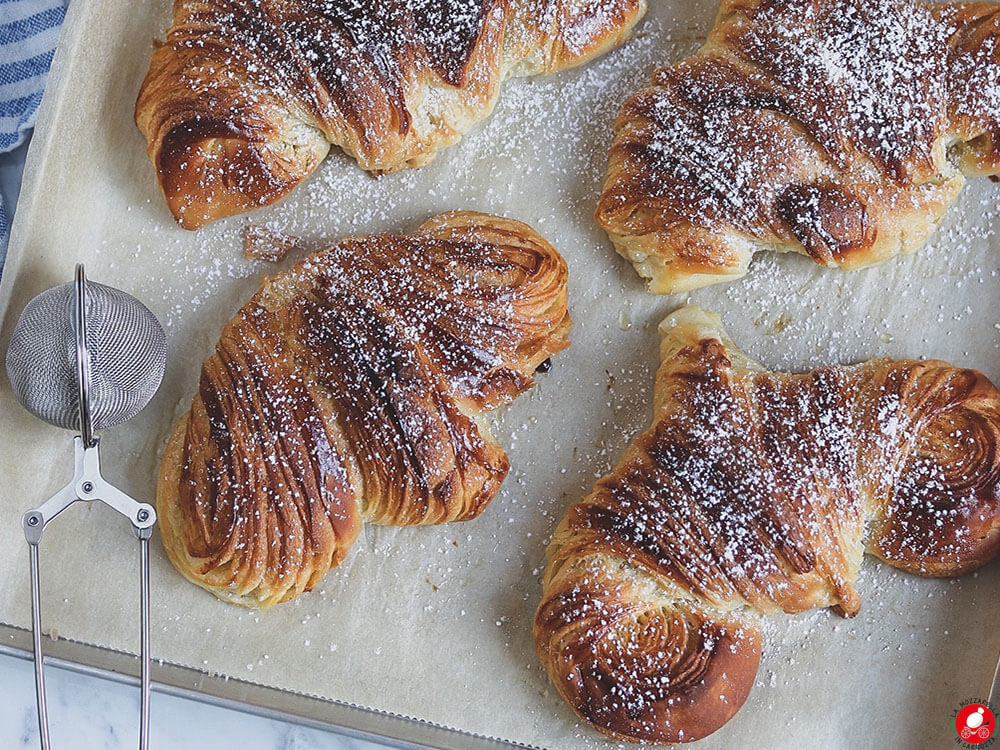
756, 492
839, 129
352, 388
245, 97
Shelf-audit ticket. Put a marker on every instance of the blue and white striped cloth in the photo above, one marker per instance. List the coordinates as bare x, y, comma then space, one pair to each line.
29, 32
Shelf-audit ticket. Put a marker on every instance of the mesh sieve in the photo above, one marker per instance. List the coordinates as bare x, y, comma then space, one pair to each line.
127, 352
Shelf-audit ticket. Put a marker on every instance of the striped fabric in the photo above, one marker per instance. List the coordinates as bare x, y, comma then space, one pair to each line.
29, 32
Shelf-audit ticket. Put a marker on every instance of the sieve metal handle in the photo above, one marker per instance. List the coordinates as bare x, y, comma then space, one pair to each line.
36, 642
88, 485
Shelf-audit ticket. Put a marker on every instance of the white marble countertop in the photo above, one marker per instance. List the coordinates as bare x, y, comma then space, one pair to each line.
92, 714
86, 713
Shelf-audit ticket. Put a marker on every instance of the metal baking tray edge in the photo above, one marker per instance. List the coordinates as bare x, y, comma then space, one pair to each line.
259, 700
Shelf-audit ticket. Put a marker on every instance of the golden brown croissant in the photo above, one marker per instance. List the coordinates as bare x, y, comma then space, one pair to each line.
840, 129
353, 387
244, 98
756, 492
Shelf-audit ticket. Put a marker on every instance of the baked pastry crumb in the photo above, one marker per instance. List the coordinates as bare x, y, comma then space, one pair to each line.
261, 243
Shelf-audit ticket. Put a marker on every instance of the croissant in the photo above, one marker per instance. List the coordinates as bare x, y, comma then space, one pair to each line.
839, 129
353, 387
752, 493
243, 99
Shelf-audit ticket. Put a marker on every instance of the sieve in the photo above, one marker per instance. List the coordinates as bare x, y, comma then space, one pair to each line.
85, 357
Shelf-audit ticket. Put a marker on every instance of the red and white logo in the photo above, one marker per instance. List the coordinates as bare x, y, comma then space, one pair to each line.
975, 723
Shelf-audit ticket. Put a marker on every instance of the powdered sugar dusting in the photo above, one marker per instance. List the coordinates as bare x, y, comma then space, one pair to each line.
836, 128
540, 158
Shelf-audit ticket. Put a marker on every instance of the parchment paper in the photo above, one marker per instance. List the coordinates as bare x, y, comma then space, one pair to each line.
435, 622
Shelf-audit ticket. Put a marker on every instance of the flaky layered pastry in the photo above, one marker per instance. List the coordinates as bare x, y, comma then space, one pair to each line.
353, 388
756, 492
244, 98
839, 129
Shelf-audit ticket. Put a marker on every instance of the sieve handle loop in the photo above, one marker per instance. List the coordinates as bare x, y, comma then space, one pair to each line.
82, 354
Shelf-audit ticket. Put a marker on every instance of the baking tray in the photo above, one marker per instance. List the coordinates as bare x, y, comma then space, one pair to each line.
920, 646
237, 695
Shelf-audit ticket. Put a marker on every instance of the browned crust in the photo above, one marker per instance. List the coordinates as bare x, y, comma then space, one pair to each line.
760, 142
243, 99
637, 669
939, 516
756, 492
353, 387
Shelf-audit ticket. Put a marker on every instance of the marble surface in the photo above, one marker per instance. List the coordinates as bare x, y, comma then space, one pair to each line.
93, 714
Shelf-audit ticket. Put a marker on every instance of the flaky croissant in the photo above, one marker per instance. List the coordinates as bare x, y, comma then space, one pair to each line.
244, 98
756, 492
839, 129
353, 387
